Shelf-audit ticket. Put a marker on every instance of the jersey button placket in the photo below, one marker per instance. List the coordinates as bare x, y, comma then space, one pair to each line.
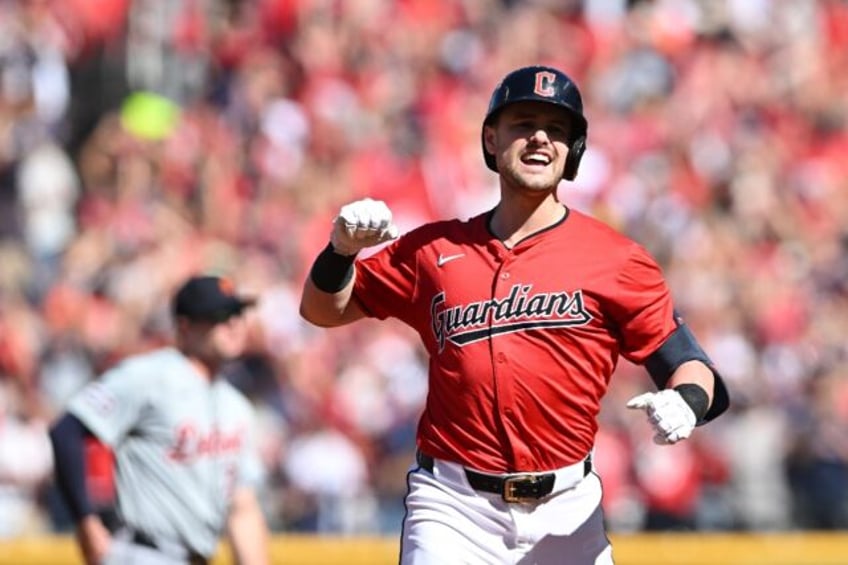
503, 378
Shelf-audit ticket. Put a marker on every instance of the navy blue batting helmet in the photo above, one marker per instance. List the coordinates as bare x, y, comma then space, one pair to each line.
542, 84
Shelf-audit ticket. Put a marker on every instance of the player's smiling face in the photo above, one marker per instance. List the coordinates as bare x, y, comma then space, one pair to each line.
529, 141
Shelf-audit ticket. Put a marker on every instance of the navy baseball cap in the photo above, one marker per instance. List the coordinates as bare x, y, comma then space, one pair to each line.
209, 299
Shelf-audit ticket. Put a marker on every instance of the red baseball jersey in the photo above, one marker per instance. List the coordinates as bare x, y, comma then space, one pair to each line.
522, 341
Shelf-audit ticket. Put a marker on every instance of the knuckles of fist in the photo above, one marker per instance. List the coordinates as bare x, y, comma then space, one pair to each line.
362, 224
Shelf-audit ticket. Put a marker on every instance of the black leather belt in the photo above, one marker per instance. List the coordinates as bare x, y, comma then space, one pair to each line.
192, 557
514, 487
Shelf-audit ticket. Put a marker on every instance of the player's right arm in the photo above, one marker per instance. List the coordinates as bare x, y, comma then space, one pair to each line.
67, 437
106, 409
327, 294
329, 309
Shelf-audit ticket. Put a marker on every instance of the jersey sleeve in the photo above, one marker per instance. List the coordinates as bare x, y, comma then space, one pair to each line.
642, 306
385, 281
111, 406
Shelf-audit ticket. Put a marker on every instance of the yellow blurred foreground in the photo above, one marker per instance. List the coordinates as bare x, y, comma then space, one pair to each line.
638, 549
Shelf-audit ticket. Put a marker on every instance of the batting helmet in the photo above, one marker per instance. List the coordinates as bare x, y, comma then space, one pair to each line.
541, 84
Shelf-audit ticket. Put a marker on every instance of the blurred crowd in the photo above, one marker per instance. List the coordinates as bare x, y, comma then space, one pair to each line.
144, 140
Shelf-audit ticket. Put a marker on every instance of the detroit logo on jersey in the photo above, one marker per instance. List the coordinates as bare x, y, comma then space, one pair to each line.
191, 443
518, 311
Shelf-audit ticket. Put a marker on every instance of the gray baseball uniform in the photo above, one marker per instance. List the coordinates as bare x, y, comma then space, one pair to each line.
181, 443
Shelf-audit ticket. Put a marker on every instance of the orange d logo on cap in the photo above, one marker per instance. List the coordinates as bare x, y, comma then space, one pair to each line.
226, 286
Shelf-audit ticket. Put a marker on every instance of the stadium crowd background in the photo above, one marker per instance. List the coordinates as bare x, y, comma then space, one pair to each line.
142, 140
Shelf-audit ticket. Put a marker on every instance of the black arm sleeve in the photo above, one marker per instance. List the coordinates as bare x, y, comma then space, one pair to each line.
68, 439
331, 271
680, 347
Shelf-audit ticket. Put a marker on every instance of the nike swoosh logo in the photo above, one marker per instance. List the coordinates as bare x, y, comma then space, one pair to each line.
446, 258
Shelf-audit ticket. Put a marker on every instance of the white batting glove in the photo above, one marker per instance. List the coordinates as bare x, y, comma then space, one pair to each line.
362, 224
668, 413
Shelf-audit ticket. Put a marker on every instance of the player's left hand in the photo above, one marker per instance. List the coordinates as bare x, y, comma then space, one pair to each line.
668, 413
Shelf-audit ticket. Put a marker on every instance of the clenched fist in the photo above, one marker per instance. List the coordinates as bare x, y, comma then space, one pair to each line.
670, 415
362, 224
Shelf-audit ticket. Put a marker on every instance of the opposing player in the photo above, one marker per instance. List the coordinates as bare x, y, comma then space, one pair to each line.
524, 311
181, 436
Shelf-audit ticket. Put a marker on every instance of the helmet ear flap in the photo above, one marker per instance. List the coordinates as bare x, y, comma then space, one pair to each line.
575, 153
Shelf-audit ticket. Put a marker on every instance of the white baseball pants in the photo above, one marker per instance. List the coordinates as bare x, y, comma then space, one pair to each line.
449, 523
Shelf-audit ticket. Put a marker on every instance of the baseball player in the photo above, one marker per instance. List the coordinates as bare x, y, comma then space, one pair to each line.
524, 311
185, 465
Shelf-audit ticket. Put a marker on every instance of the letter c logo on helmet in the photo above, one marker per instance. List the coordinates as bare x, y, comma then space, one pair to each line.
544, 84
541, 84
